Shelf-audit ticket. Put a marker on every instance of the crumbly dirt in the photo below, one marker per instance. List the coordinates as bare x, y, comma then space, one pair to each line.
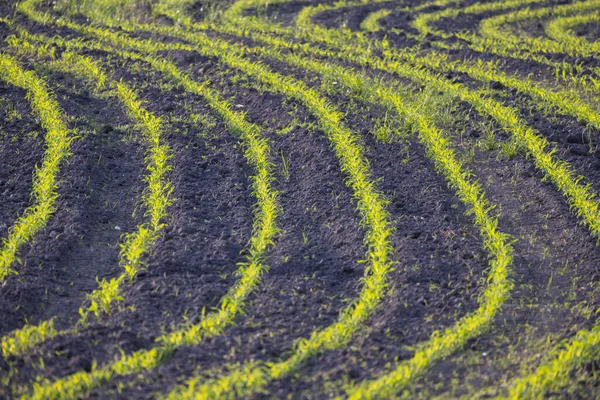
315, 266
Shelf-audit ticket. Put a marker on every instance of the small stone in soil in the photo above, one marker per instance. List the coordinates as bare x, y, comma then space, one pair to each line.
497, 85
81, 363
51, 257
354, 373
578, 150
576, 138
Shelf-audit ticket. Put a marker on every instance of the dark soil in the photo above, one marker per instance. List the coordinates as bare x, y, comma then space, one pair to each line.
398, 20
548, 234
440, 266
283, 13
470, 22
210, 223
298, 298
589, 31
21, 139
80, 242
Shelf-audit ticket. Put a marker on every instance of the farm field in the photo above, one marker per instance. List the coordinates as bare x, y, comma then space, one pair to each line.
352, 199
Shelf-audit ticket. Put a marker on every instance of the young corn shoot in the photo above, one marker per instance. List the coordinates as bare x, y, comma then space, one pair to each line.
45, 180
157, 197
265, 229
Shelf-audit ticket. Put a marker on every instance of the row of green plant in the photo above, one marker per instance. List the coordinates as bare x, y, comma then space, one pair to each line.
115, 11
425, 24
500, 251
567, 100
157, 195
555, 373
580, 197
257, 151
234, 16
265, 230
371, 22
21, 340
560, 173
58, 140
370, 203
561, 30
496, 33
236, 120
237, 10
158, 189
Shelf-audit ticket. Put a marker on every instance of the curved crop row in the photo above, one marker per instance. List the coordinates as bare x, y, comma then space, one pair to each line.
562, 177
157, 197
45, 182
158, 193
470, 193
265, 229
582, 203
566, 100
371, 23
405, 63
554, 374
494, 36
560, 29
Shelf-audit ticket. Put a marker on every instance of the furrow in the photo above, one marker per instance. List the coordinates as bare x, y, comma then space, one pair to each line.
265, 228
156, 200
45, 183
